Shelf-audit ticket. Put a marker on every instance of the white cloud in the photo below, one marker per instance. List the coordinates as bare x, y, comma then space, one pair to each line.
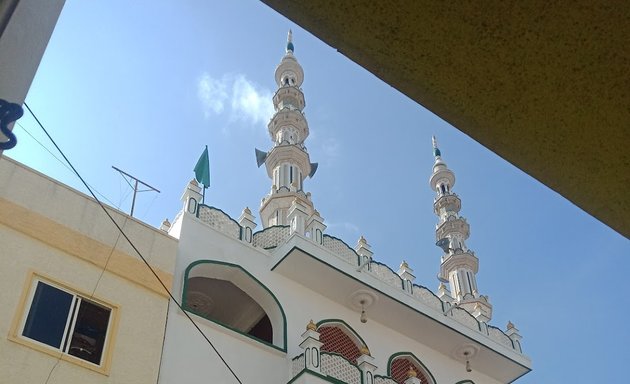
247, 101
212, 94
344, 225
250, 102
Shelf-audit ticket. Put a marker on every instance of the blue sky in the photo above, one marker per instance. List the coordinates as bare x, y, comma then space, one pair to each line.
144, 85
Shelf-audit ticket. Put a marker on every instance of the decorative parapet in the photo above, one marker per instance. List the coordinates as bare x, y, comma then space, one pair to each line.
271, 237
297, 365
337, 366
219, 220
498, 335
341, 249
427, 297
384, 380
462, 316
386, 274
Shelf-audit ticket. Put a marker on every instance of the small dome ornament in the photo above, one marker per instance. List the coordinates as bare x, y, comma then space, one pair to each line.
365, 350
411, 372
247, 211
510, 325
362, 240
311, 326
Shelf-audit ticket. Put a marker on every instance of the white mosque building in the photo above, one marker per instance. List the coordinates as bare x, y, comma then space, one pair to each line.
289, 303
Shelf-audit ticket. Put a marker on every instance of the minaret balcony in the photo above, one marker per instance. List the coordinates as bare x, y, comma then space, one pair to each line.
460, 260
288, 117
453, 224
448, 202
289, 95
290, 153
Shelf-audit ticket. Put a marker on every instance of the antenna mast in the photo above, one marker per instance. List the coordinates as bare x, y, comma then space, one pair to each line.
135, 187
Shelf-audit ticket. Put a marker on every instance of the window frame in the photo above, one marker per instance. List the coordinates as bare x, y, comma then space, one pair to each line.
24, 308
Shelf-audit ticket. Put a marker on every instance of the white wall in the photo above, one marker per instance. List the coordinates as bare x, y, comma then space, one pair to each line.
188, 359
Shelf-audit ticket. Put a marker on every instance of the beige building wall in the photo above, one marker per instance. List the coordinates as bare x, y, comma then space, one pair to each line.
50, 231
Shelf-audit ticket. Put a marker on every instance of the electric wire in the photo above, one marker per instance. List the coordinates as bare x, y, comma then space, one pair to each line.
62, 163
134, 248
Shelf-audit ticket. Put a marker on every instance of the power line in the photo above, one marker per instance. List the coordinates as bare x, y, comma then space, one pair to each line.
62, 163
134, 247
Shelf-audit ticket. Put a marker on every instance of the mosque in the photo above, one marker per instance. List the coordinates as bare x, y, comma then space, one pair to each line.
288, 303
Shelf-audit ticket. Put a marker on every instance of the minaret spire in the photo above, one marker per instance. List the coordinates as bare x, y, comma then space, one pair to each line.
459, 265
290, 41
288, 162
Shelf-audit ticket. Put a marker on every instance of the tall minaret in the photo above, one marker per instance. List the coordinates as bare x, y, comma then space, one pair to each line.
459, 264
287, 163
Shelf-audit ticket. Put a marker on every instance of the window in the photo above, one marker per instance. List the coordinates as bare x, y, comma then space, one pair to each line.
401, 363
228, 295
338, 337
67, 322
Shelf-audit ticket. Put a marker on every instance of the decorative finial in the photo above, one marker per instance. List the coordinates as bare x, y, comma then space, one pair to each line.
311, 326
364, 350
411, 372
247, 211
404, 265
362, 240
194, 182
442, 287
510, 325
436, 151
290, 47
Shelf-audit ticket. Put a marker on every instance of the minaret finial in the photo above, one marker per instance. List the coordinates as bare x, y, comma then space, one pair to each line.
436, 150
290, 47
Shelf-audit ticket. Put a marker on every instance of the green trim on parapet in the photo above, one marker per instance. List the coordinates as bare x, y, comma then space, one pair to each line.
399, 354
240, 229
500, 330
402, 281
284, 317
273, 226
344, 243
430, 291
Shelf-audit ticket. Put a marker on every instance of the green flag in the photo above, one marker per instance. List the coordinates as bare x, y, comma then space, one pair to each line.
202, 169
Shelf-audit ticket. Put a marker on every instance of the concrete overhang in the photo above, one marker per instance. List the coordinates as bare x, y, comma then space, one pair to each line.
545, 85
327, 274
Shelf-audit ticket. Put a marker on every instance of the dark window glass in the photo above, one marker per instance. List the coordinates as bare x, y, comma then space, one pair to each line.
47, 317
52, 308
88, 338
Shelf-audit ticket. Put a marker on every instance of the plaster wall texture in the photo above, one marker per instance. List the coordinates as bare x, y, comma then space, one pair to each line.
37, 237
199, 241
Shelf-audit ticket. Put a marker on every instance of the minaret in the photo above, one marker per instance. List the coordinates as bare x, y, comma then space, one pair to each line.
459, 264
288, 162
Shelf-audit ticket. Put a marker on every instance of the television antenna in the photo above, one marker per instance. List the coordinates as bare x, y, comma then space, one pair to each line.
135, 187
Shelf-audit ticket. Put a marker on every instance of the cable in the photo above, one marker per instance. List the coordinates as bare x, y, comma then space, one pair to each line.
62, 163
134, 248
